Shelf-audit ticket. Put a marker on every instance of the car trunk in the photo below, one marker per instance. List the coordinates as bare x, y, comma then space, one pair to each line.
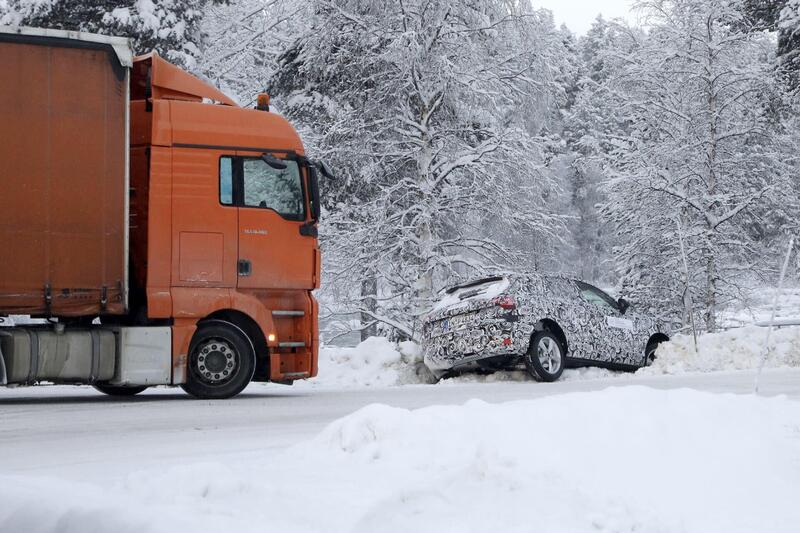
463, 306
470, 296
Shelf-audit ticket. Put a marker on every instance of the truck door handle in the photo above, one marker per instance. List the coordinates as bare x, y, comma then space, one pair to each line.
244, 267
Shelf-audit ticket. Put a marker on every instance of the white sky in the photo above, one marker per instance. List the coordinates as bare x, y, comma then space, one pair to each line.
579, 14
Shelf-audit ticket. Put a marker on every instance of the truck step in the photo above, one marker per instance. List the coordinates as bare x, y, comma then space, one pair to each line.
291, 344
296, 375
283, 312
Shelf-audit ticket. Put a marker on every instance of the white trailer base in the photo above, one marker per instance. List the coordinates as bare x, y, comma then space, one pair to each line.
118, 356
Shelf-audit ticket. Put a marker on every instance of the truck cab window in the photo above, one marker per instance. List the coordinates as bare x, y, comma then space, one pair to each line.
226, 180
279, 190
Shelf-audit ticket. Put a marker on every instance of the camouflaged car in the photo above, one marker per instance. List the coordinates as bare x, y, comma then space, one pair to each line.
545, 322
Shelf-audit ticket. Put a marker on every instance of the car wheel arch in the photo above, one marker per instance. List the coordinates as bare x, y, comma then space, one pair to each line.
655, 338
552, 326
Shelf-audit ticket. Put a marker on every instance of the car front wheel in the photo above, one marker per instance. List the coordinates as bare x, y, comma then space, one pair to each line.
545, 358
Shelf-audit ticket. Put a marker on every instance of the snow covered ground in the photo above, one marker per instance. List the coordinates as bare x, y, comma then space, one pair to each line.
619, 459
735, 349
373, 445
378, 363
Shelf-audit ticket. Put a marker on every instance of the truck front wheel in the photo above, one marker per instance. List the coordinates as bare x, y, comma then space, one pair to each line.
221, 361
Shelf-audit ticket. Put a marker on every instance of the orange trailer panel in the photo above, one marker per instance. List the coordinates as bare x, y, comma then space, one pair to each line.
63, 175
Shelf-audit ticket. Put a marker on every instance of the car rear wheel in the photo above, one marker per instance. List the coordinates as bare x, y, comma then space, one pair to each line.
545, 358
221, 361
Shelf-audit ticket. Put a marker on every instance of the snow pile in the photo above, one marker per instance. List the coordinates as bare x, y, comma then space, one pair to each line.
735, 349
621, 460
376, 362
570, 374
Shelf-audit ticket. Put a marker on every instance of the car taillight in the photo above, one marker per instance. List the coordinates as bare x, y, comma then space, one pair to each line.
505, 301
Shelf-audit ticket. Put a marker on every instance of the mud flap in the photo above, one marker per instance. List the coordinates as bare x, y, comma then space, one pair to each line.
3, 377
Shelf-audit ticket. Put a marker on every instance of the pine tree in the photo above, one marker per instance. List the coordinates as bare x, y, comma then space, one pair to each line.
170, 27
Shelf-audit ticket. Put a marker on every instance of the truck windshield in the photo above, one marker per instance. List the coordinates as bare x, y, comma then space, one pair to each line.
279, 190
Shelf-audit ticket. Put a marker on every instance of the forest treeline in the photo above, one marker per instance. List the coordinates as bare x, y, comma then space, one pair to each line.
476, 136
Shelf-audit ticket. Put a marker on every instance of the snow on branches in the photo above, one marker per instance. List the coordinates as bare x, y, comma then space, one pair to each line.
170, 27
430, 111
700, 153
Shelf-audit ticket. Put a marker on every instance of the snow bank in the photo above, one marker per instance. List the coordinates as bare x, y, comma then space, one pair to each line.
621, 460
376, 362
570, 374
735, 349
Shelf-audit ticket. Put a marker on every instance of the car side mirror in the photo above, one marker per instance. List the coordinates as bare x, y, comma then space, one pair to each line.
623, 305
273, 162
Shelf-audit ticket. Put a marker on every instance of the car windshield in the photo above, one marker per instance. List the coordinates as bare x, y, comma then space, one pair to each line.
595, 296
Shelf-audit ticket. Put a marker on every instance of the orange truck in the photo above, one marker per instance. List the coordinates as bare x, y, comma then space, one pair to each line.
161, 234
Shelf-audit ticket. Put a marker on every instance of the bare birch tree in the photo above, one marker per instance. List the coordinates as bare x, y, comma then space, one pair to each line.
701, 147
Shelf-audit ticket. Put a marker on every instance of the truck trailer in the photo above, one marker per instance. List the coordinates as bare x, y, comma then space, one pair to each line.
159, 233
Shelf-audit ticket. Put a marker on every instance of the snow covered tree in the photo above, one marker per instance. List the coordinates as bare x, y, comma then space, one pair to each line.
170, 27
588, 117
762, 14
243, 41
701, 153
429, 110
788, 25
782, 17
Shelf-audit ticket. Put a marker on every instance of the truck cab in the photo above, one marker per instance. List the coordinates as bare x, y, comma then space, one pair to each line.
223, 217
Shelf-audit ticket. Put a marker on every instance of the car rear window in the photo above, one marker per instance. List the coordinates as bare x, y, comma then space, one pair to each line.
485, 288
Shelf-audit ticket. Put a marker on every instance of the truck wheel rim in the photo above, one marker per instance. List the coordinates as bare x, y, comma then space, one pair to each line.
549, 354
216, 361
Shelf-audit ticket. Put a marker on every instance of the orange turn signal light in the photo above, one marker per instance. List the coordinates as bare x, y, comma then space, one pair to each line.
271, 337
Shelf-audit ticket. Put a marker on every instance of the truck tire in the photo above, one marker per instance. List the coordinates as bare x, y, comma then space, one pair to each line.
221, 361
113, 390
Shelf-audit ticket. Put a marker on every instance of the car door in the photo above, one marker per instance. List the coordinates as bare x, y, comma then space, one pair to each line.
608, 335
276, 250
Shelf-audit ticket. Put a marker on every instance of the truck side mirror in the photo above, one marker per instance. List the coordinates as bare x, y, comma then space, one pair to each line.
326, 171
313, 191
273, 161
623, 305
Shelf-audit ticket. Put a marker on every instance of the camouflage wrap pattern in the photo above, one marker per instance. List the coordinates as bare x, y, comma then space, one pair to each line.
477, 329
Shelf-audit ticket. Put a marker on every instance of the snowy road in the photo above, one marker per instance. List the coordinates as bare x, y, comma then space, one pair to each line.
77, 433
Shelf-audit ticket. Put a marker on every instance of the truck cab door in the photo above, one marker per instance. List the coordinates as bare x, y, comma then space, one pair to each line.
276, 248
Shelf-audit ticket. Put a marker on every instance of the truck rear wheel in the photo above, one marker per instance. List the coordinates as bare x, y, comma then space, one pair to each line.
221, 361
113, 390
